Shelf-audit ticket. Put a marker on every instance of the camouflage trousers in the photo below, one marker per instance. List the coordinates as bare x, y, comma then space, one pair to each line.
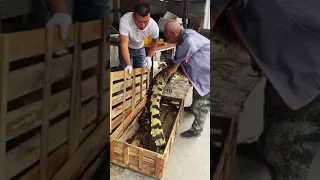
290, 139
200, 108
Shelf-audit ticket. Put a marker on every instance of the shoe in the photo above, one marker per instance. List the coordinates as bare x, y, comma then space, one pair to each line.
190, 134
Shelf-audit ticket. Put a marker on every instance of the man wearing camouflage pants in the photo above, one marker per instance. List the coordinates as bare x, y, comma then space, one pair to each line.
283, 37
193, 56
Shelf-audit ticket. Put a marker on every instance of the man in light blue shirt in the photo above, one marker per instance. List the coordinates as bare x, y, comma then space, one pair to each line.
193, 56
283, 39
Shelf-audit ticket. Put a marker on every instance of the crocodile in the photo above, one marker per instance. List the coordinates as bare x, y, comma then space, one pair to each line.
150, 131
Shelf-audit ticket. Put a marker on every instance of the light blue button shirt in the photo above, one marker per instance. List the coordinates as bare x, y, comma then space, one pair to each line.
284, 38
194, 55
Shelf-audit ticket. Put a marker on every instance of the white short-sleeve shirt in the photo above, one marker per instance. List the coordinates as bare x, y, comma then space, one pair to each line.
137, 36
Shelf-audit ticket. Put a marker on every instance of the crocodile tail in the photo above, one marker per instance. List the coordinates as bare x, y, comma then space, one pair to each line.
155, 94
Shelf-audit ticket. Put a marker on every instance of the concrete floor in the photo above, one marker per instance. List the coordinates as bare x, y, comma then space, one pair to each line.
189, 158
253, 117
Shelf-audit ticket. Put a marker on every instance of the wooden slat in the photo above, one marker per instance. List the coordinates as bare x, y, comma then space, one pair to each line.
91, 90
110, 103
175, 126
118, 98
126, 155
28, 152
121, 108
90, 172
141, 86
85, 153
28, 117
125, 103
118, 120
111, 149
131, 130
28, 79
91, 30
102, 65
159, 163
55, 160
36, 39
128, 119
106, 100
147, 154
75, 115
46, 105
120, 85
89, 112
140, 158
119, 75
133, 102
4, 70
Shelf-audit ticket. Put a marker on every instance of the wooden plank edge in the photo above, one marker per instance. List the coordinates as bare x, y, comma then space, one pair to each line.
129, 119
56, 160
220, 165
75, 115
92, 169
159, 166
92, 145
174, 128
3, 99
46, 105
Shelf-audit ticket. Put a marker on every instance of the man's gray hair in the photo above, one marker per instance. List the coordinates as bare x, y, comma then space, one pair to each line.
172, 21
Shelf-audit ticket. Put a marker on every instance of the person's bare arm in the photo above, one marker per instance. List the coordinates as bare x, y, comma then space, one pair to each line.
58, 6
152, 47
124, 41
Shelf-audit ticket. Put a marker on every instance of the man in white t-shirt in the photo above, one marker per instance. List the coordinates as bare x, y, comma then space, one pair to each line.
134, 28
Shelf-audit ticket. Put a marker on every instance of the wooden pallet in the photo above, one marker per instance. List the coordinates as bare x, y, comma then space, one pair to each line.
123, 123
53, 109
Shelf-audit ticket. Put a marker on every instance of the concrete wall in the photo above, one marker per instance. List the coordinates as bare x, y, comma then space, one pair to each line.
9, 8
195, 8
157, 7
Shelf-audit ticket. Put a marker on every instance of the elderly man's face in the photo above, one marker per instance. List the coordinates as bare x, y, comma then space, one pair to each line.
141, 22
170, 36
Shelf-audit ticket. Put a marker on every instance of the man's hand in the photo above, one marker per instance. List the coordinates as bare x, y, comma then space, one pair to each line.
148, 62
129, 68
63, 20
172, 69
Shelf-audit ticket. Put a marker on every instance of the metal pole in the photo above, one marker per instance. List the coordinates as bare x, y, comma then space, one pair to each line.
185, 12
1, 11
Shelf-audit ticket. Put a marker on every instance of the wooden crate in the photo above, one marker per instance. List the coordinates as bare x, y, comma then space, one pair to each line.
53, 110
223, 135
123, 123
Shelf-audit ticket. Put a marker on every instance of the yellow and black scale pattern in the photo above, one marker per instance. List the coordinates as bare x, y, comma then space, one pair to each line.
150, 131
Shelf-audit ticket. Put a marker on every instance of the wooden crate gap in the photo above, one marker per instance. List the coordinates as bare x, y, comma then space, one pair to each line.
19, 64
